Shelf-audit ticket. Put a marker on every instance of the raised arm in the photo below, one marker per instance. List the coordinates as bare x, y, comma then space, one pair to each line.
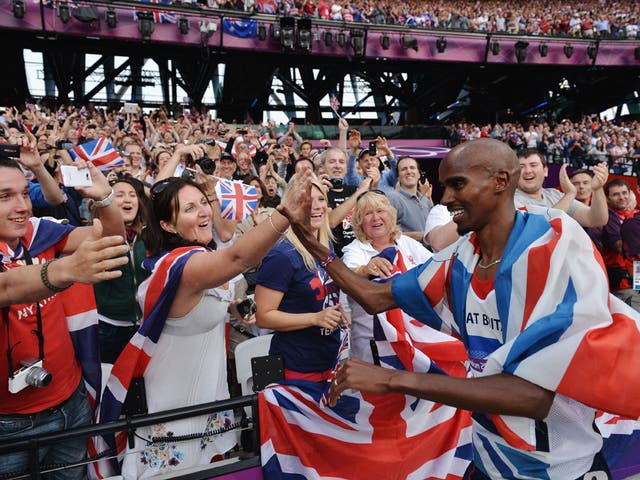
92, 262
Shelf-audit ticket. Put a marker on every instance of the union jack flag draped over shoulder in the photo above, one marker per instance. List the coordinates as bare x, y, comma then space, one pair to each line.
561, 328
156, 293
100, 152
237, 199
370, 436
78, 302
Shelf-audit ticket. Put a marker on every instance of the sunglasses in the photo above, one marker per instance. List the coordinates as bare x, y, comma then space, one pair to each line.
375, 190
159, 187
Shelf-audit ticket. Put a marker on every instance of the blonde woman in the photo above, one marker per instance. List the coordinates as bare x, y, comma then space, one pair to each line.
297, 299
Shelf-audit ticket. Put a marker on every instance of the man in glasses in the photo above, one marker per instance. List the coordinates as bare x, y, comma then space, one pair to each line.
527, 295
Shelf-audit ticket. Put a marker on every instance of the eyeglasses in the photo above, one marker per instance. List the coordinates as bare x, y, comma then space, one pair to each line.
159, 187
375, 190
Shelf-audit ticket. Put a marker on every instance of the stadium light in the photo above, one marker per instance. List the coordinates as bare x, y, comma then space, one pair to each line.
183, 25
111, 17
327, 36
304, 34
287, 33
385, 42
357, 42
145, 25
64, 12
275, 31
495, 47
441, 44
19, 8
342, 39
543, 48
568, 50
521, 50
262, 32
409, 42
592, 51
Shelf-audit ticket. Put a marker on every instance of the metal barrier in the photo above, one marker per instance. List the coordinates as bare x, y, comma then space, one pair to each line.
250, 457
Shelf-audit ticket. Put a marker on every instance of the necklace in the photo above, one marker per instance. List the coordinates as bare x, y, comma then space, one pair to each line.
484, 267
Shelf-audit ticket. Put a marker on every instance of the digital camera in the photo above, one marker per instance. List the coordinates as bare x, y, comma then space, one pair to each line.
247, 307
30, 374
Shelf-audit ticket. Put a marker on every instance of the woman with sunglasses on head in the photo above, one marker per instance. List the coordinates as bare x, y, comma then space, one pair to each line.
118, 311
379, 241
184, 303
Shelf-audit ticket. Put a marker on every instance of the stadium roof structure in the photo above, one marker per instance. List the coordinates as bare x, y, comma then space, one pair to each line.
244, 65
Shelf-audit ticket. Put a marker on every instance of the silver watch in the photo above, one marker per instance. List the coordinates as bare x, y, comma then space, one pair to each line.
105, 202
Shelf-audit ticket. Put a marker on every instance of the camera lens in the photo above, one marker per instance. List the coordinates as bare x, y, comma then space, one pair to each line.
38, 377
206, 165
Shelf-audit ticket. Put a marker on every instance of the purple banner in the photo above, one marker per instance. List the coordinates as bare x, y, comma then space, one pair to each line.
419, 44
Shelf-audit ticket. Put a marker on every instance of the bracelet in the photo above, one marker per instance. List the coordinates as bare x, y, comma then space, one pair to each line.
330, 258
275, 229
106, 201
45, 278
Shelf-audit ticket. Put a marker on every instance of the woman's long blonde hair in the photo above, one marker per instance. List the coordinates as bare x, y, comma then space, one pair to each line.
324, 234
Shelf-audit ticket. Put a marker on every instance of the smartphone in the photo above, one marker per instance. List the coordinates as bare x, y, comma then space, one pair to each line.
11, 151
423, 177
75, 177
130, 107
373, 148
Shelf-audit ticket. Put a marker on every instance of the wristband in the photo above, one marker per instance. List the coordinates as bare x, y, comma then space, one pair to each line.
105, 202
275, 229
45, 278
330, 258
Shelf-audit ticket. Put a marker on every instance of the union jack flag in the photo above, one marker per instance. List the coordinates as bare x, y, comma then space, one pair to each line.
390, 436
266, 6
100, 152
335, 104
237, 200
562, 330
159, 16
157, 293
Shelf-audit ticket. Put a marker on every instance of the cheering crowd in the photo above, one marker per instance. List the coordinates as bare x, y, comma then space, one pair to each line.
245, 228
590, 19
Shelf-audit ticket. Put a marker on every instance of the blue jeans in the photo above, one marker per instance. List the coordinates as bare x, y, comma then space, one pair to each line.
74, 412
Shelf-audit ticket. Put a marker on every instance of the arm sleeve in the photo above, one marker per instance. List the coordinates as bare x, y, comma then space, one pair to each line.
276, 271
352, 178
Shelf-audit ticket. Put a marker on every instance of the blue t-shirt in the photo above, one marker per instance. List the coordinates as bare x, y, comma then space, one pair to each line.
311, 349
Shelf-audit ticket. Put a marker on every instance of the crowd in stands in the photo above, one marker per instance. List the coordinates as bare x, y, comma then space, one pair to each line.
581, 144
363, 201
589, 19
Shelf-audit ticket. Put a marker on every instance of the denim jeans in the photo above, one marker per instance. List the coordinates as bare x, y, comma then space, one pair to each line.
75, 412
113, 339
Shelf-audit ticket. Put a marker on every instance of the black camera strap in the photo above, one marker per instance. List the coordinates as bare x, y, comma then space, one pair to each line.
38, 332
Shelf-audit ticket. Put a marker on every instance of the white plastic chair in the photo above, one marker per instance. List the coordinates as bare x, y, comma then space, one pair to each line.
245, 351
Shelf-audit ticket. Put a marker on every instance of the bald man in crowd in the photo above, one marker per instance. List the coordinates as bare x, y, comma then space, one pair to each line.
522, 291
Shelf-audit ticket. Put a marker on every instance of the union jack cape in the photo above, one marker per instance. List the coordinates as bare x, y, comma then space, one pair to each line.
156, 294
78, 302
237, 199
100, 152
562, 329
370, 436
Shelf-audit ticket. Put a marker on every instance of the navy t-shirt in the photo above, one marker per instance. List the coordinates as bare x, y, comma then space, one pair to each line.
311, 349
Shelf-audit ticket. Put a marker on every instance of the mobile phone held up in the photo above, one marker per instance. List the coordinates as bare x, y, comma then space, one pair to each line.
75, 177
373, 148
